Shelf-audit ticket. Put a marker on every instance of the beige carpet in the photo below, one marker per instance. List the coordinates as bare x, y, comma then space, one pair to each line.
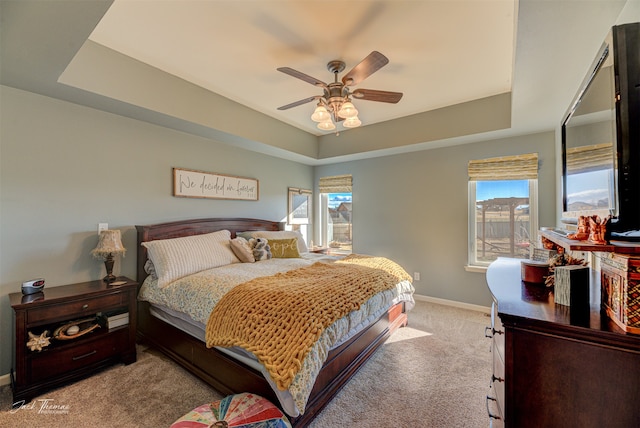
434, 373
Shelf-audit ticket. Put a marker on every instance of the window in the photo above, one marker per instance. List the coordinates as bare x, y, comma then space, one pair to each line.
503, 208
336, 213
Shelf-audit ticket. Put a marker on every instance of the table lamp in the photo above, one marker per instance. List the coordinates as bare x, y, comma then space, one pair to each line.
109, 243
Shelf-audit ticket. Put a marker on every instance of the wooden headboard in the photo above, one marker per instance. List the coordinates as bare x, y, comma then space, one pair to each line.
176, 229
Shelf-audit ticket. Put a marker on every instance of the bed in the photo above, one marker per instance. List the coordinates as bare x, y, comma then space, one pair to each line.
228, 372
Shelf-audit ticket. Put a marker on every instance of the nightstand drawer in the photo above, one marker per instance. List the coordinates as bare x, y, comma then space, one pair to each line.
76, 308
88, 351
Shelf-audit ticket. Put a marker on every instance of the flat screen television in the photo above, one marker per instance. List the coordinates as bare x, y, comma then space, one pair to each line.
601, 138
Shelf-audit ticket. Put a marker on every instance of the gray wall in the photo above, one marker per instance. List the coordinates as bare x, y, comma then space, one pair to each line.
64, 168
413, 208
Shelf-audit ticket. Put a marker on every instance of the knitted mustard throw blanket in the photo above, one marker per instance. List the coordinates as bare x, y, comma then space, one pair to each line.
278, 318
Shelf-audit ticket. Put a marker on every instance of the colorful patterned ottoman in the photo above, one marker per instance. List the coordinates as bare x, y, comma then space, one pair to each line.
239, 410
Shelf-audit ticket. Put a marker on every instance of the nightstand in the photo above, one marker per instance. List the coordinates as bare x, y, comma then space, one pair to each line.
66, 360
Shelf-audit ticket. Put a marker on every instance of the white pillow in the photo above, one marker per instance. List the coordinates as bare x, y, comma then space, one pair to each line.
242, 249
283, 234
178, 257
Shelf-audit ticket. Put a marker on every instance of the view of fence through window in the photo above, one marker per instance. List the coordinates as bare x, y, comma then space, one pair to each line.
339, 222
502, 219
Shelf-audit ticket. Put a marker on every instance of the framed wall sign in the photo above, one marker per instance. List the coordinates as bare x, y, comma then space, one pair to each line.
299, 209
188, 183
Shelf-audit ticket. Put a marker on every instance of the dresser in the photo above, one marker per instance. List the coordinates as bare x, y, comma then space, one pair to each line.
41, 368
556, 367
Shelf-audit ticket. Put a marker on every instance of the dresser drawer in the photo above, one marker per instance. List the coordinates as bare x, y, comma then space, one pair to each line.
497, 331
87, 351
498, 379
76, 308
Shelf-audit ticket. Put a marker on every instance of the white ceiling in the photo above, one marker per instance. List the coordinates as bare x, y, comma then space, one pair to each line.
441, 52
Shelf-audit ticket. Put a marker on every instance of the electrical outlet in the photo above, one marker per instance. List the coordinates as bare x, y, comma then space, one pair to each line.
102, 226
416, 276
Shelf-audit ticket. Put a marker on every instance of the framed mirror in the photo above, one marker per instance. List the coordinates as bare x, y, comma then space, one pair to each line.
299, 209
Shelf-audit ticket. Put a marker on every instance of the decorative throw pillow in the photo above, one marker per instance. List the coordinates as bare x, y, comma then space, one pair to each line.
150, 269
284, 248
242, 250
178, 257
261, 249
246, 235
283, 234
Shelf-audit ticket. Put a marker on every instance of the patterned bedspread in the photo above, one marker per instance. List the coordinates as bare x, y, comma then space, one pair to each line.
197, 294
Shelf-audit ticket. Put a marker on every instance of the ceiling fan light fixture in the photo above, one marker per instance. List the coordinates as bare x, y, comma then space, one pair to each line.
347, 110
352, 122
320, 114
335, 104
327, 125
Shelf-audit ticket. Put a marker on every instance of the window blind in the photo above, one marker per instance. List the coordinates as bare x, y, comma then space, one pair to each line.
335, 184
518, 167
590, 158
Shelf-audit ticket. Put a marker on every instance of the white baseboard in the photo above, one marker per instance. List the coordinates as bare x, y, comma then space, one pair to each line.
446, 302
5, 380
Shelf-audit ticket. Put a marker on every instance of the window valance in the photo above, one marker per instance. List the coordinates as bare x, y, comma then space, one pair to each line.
335, 184
518, 167
589, 158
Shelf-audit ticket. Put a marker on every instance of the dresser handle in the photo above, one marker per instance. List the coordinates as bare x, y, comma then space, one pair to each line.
85, 306
84, 356
493, 332
491, 415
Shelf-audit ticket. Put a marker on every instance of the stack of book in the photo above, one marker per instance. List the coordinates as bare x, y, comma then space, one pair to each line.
117, 320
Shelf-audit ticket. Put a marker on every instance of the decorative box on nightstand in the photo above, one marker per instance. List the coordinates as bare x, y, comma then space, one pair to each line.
70, 357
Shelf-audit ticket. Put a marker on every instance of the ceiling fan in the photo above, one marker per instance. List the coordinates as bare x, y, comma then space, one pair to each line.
335, 105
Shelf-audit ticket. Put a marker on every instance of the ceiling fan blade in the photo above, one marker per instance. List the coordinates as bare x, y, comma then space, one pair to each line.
372, 63
302, 76
298, 103
373, 95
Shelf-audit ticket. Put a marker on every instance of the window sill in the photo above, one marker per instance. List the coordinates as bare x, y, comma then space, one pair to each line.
477, 269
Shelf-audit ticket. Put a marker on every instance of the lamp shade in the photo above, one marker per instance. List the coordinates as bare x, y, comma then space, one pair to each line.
326, 125
347, 110
352, 122
109, 242
320, 114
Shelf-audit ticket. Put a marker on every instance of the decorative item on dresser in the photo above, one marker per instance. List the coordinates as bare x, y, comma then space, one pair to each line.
554, 365
81, 343
226, 373
620, 276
